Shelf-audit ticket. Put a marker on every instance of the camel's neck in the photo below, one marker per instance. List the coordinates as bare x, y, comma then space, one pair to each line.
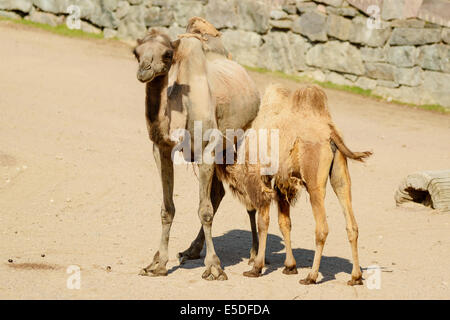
156, 98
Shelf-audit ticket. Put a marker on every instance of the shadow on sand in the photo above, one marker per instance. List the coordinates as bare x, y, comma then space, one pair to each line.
234, 247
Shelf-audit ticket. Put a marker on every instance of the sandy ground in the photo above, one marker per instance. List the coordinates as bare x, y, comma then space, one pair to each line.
78, 184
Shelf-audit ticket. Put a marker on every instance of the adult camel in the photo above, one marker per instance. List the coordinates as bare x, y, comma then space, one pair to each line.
205, 86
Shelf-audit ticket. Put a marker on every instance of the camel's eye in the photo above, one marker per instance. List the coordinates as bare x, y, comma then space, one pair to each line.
168, 55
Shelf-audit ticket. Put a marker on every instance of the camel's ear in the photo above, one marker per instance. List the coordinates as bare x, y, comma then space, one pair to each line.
175, 44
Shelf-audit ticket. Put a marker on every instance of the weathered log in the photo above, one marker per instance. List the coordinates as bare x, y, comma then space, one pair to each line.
431, 188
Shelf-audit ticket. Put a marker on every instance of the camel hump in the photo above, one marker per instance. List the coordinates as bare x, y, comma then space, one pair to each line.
274, 98
201, 26
336, 138
311, 99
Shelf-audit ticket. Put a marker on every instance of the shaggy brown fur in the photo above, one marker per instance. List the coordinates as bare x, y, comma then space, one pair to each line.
306, 159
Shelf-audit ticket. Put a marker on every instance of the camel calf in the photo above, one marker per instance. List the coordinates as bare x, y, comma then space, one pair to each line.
310, 150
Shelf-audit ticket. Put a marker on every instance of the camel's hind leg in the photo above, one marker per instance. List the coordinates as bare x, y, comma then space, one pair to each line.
284, 221
340, 181
317, 166
255, 242
263, 226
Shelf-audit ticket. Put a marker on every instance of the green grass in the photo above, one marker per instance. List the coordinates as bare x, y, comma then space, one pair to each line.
353, 89
61, 29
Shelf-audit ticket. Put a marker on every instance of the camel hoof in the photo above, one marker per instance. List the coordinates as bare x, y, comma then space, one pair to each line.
187, 255
355, 282
307, 281
254, 273
290, 270
159, 272
210, 276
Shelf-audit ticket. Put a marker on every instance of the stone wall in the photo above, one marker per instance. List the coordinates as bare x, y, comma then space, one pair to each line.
403, 55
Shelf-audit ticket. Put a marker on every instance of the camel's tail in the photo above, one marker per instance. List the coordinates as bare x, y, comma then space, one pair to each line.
339, 142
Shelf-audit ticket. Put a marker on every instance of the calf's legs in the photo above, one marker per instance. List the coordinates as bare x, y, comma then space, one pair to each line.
284, 221
340, 181
263, 226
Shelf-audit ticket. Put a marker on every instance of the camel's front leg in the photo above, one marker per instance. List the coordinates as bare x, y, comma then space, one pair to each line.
206, 214
193, 252
165, 167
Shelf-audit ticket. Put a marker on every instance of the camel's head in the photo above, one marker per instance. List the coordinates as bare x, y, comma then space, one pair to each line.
154, 54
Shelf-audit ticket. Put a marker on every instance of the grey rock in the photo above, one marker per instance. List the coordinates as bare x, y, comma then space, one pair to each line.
446, 35
21, 5
345, 11
89, 28
369, 36
366, 83
159, 17
101, 14
10, 15
435, 57
109, 5
185, 9
350, 77
283, 52
131, 30
122, 9
404, 56
109, 33
45, 18
306, 6
313, 25
133, 25
336, 56
87, 8
399, 9
437, 87
243, 46
278, 14
408, 23
289, 8
413, 36
408, 76
253, 15
378, 70
373, 54
339, 27
337, 78
334, 3
221, 14
388, 84
281, 24
403, 93
317, 75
